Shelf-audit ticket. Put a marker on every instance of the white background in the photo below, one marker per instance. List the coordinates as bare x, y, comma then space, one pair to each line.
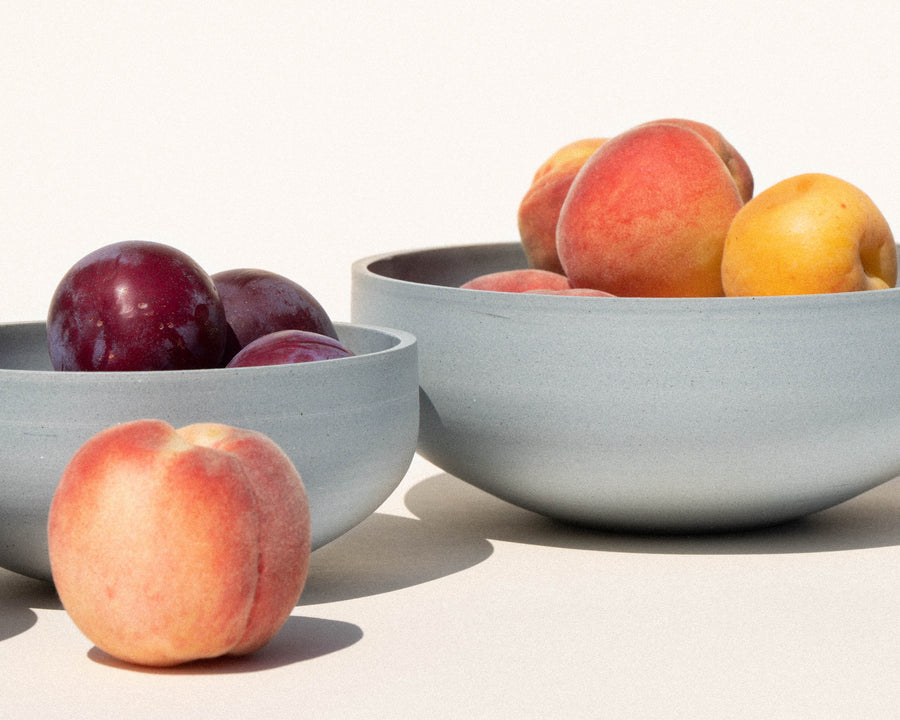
300, 136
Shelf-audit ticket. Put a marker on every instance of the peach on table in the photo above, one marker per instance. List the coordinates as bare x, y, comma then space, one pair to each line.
174, 545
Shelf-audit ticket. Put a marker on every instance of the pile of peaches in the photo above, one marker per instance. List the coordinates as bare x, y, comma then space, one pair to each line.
666, 209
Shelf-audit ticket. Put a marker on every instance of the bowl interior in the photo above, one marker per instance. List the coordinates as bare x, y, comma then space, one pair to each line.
447, 266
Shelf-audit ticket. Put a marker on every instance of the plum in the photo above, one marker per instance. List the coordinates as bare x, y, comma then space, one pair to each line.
259, 302
284, 347
136, 305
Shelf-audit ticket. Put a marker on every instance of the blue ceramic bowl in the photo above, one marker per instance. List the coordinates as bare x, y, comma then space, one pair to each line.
646, 414
349, 425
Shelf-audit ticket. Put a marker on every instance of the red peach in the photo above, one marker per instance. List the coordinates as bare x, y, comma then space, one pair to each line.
733, 160
174, 545
647, 215
584, 292
517, 281
539, 209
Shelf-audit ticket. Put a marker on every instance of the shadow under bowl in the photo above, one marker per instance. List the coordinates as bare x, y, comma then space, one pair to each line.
644, 414
349, 425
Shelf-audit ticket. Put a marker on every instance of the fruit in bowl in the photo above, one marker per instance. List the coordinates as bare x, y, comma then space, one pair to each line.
136, 306
647, 215
644, 414
810, 233
663, 192
519, 281
258, 302
737, 166
538, 211
666, 209
659, 404
289, 346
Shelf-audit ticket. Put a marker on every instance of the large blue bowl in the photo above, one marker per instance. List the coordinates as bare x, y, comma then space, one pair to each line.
646, 414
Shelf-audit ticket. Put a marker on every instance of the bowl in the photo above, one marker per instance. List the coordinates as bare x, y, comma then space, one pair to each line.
644, 414
349, 425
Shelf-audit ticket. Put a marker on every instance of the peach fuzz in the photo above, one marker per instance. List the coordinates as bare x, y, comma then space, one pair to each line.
647, 215
539, 209
734, 161
518, 281
168, 545
811, 233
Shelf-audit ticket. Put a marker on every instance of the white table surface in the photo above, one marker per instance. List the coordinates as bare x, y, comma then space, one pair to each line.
449, 603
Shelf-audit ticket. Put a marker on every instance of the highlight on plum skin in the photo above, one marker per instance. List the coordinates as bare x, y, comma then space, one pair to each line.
136, 305
288, 347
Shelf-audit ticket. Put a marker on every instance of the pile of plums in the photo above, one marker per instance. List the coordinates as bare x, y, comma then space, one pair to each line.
139, 305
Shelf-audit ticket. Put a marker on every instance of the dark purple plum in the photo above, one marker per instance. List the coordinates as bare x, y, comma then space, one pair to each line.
136, 305
259, 302
285, 347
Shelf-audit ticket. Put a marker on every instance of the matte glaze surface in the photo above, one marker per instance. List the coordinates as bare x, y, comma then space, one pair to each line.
646, 414
349, 425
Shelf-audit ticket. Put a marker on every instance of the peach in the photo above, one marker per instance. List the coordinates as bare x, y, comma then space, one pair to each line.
583, 292
518, 281
647, 215
174, 545
734, 161
539, 209
811, 233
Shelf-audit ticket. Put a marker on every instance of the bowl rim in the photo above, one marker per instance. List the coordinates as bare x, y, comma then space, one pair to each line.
402, 340
362, 268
